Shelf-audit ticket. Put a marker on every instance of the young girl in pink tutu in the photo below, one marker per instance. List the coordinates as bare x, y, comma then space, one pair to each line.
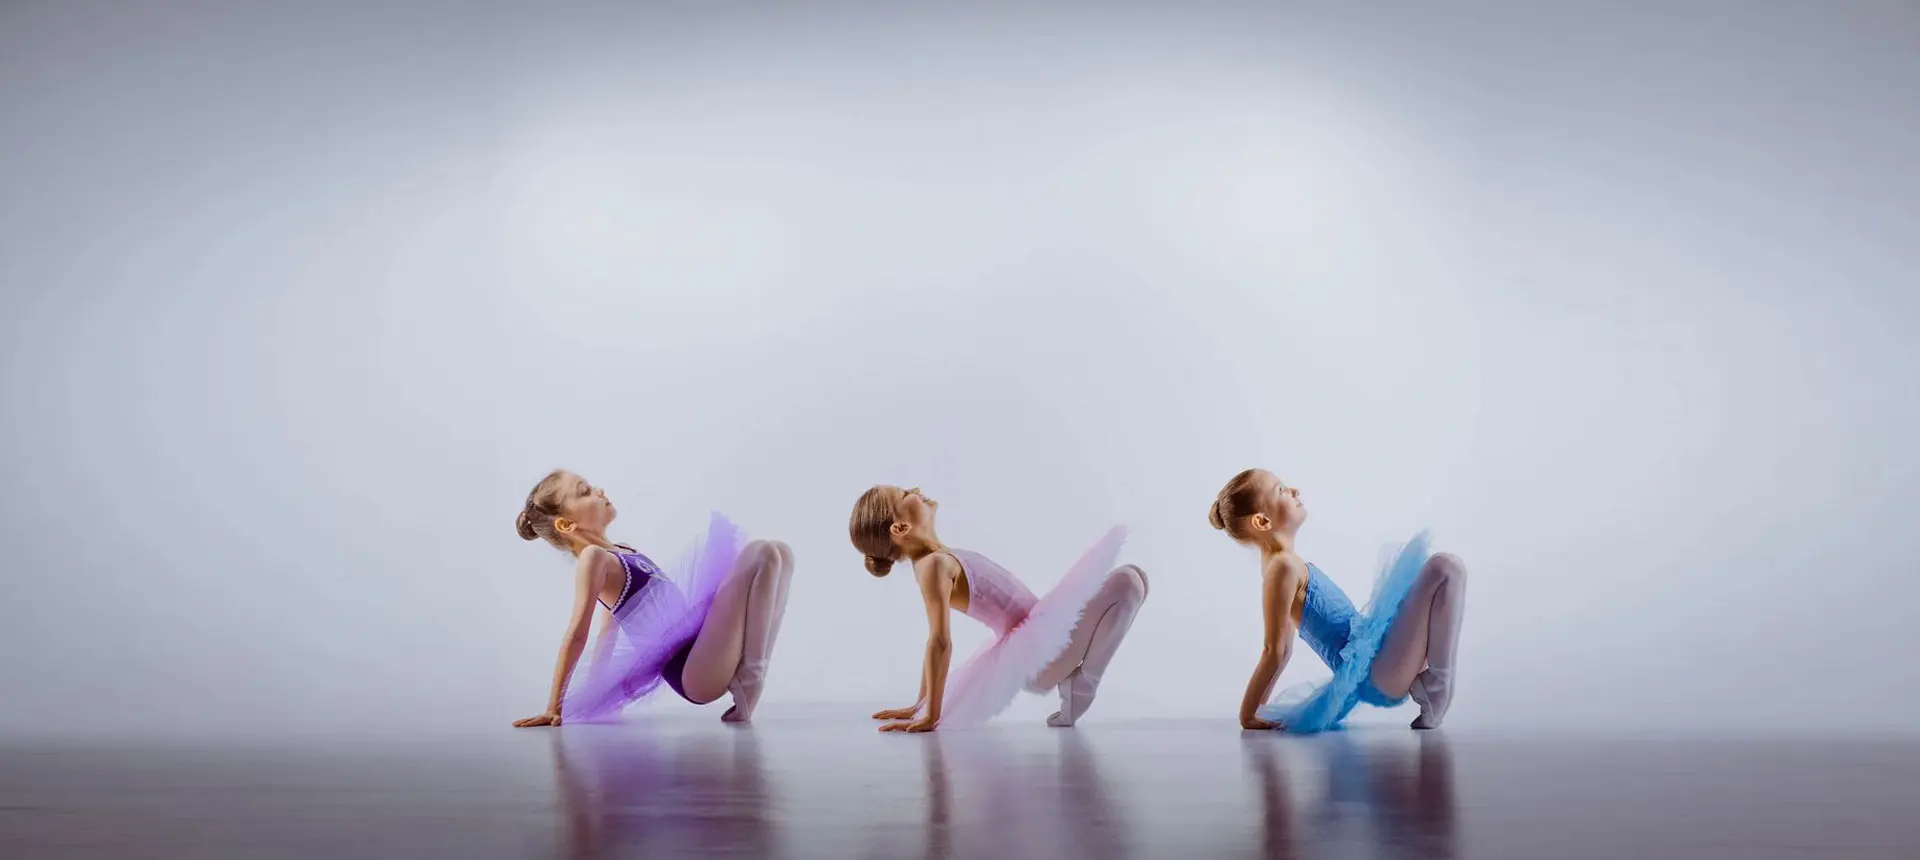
705, 629
1063, 641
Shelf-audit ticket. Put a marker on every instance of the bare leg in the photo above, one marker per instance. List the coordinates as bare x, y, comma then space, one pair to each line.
733, 646
1077, 671
1417, 656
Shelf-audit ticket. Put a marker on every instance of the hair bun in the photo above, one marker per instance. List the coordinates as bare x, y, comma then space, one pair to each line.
879, 566
1213, 516
524, 526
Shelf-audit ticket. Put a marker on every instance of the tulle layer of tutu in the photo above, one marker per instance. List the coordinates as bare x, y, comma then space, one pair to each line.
994, 676
624, 664
1309, 708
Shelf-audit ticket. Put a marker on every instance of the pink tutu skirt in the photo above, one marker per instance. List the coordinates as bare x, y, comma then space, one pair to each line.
990, 680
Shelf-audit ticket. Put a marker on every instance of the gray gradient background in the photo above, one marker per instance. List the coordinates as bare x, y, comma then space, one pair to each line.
301, 298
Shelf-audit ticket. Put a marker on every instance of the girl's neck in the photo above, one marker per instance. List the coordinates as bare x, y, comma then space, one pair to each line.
584, 542
922, 548
1276, 544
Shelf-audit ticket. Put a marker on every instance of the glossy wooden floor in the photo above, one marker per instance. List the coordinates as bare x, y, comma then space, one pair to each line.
832, 788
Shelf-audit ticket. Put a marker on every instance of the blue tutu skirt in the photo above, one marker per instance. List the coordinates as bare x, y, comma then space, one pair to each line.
1309, 708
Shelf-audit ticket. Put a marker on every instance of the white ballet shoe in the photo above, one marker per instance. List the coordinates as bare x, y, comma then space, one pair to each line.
1432, 690
1076, 696
745, 687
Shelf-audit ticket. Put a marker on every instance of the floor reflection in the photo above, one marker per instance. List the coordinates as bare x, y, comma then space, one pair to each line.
633, 794
807, 789
1333, 796
985, 799
1383, 797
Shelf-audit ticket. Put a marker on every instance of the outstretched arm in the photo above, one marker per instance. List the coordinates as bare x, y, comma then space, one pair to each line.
936, 575
1282, 581
590, 574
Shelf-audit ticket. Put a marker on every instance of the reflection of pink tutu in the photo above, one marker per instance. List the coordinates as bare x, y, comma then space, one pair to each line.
654, 626
1032, 633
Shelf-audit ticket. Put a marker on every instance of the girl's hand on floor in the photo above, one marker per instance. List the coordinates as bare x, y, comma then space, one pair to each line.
915, 727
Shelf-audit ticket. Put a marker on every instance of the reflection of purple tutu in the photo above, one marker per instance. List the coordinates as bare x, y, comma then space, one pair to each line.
655, 623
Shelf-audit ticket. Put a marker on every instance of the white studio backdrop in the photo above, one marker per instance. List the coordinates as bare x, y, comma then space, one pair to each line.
300, 303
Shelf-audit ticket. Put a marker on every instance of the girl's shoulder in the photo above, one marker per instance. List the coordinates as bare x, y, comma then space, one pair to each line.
1284, 565
942, 563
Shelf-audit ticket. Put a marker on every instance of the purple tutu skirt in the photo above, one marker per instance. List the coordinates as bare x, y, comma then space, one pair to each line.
651, 628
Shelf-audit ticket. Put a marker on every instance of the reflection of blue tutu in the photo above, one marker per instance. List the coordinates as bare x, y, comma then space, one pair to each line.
1348, 639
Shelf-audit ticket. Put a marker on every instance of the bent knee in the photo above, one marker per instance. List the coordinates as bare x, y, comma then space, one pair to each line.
783, 551
1130, 580
1448, 568
759, 555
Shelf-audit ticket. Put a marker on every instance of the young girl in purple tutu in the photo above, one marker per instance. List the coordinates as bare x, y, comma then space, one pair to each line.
705, 628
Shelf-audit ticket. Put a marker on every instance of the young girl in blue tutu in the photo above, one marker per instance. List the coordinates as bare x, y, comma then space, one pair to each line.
1402, 645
